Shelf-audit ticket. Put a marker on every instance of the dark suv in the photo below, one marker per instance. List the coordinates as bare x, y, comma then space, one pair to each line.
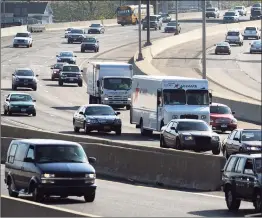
45, 168
242, 180
70, 73
24, 77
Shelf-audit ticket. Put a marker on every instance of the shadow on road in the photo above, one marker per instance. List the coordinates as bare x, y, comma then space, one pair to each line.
225, 213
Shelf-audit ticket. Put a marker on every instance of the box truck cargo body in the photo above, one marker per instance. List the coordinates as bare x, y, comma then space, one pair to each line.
157, 99
109, 83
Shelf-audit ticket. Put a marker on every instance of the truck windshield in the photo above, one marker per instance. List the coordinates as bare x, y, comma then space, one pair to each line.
117, 83
182, 97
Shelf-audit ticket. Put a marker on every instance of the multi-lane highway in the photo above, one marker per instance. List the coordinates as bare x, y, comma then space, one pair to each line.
116, 199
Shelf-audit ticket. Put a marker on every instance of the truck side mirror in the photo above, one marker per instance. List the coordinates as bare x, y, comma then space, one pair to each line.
98, 83
210, 98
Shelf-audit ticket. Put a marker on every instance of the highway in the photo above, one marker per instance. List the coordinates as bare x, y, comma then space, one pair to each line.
56, 105
115, 199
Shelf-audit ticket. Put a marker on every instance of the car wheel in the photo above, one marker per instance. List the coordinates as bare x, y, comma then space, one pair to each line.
82, 50
37, 195
28, 46
216, 53
35, 88
251, 52
119, 131
11, 189
34, 114
76, 129
52, 78
14, 87
80, 84
86, 129
216, 151
225, 154
258, 202
232, 202
60, 83
155, 28
5, 112
9, 113
128, 107
90, 198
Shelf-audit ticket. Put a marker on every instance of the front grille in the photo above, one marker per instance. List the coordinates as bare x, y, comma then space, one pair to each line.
70, 175
20, 40
223, 120
106, 121
202, 140
69, 182
21, 106
189, 116
69, 74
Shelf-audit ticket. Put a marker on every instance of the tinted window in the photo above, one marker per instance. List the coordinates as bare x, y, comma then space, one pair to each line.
24, 73
197, 97
251, 28
71, 69
30, 153
20, 97
91, 40
22, 35
220, 110
77, 31
257, 42
239, 8
240, 165
191, 125
153, 18
230, 14
171, 24
251, 135
95, 25
231, 164
233, 33
21, 152
66, 54
231, 136
12, 153
96, 110
210, 9
117, 83
69, 29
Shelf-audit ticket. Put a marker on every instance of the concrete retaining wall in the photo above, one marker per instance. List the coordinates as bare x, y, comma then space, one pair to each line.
14, 207
11, 31
248, 111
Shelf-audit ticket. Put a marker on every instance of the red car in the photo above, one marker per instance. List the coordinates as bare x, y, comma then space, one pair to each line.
56, 70
222, 118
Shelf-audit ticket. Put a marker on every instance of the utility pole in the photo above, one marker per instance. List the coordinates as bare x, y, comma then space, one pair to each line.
177, 32
204, 40
140, 55
148, 23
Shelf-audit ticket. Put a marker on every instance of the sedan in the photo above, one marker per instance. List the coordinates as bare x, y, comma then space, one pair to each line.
255, 47
171, 27
223, 48
242, 140
66, 57
97, 117
189, 134
96, 28
19, 103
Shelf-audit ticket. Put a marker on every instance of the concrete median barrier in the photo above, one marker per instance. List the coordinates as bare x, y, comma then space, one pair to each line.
166, 167
145, 67
11, 31
14, 207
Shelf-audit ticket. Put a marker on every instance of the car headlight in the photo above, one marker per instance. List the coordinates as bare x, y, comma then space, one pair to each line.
203, 117
47, 175
118, 121
234, 121
215, 138
129, 99
188, 138
91, 121
90, 176
174, 117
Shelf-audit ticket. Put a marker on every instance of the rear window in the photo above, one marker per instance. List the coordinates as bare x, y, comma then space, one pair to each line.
251, 28
230, 14
210, 9
22, 35
233, 33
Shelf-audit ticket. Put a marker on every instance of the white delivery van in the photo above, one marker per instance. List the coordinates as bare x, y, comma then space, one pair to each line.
158, 99
109, 83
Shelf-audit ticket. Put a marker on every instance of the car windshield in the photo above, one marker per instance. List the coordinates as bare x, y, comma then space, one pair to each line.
197, 97
60, 153
95, 25
90, 40
117, 83
238, 8
220, 110
258, 165
251, 28
66, 54
71, 69
20, 97
58, 66
152, 18
230, 14
164, 15
69, 29
233, 33
171, 24
210, 9
24, 73
192, 126
22, 35
256, 5
77, 31
251, 135
99, 110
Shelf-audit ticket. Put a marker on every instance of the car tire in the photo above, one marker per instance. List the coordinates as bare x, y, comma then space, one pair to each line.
216, 53
86, 129
225, 154
14, 87
82, 50
31, 45
258, 202
9, 113
34, 114
76, 129
251, 52
119, 131
216, 151
232, 202
155, 28
178, 145
5, 112
35, 88
90, 198
60, 83
37, 196
80, 84
11, 191
229, 53
28, 46
162, 142
128, 107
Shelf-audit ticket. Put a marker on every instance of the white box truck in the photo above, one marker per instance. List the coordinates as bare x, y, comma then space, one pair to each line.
109, 83
158, 99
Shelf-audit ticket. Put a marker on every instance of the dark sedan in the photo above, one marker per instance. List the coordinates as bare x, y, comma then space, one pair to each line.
56, 69
242, 140
223, 48
19, 103
97, 117
189, 134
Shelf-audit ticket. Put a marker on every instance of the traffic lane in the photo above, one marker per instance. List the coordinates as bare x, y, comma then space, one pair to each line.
185, 59
115, 199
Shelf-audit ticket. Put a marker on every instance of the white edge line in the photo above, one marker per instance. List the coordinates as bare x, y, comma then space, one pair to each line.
50, 207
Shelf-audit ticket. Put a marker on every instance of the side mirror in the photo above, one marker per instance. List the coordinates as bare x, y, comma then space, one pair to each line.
13, 74
56, 55
7, 99
98, 83
81, 112
51, 68
117, 112
75, 56
37, 75
82, 71
34, 100
92, 160
28, 159
233, 112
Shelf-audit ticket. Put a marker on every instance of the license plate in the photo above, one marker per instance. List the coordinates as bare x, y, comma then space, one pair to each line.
223, 125
23, 110
106, 127
71, 79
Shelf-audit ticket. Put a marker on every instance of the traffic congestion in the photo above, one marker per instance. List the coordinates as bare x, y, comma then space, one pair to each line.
180, 110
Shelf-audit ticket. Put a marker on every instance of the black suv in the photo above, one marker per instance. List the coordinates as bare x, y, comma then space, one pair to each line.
242, 180
45, 168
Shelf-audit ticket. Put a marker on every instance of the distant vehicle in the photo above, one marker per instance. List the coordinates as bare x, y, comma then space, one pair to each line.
189, 134
241, 10
165, 18
171, 27
252, 32
222, 118
256, 11
231, 17
242, 140
56, 69
67, 31
75, 35
96, 28
155, 22
223, 48
241, 181
90, 44
66, 57
49, 168
212, 12
19, 103
167, 97
255, 47
234, 37
23, 39
70, 73
24, 77
97, 117
128, 14
110, 83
